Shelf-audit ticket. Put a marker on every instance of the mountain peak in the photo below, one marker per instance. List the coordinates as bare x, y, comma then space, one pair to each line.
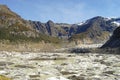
50, 21
5, 11
4, 8
97, 17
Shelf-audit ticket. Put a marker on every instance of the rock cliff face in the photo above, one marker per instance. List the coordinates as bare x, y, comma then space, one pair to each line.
45, 28
114, 41
52, 29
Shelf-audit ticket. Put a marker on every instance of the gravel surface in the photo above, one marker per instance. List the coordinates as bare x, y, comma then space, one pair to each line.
59, 66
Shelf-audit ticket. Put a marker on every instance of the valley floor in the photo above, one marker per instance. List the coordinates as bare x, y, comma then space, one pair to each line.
59, 66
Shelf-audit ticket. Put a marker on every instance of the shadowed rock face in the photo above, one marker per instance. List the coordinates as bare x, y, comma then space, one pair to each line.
50, 26
116, 33
114, 41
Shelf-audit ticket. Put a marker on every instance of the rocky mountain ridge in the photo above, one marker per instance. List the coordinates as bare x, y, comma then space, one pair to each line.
94, 30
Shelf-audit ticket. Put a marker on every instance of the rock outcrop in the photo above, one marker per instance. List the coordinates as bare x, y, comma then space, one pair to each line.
48, 28
114, 41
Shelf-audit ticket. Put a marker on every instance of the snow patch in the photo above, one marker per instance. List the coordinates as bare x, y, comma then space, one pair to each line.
107, 19
81, 23
117, 23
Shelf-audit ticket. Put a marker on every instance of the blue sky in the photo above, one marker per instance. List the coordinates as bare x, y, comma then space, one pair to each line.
63, 11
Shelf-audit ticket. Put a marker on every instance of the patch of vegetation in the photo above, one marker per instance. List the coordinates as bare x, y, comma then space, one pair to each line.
6, 35
4, 78
18, 27
24, 66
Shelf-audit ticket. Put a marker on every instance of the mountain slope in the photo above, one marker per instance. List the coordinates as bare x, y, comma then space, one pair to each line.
114, 41
94, 30
50, 28
14, 28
